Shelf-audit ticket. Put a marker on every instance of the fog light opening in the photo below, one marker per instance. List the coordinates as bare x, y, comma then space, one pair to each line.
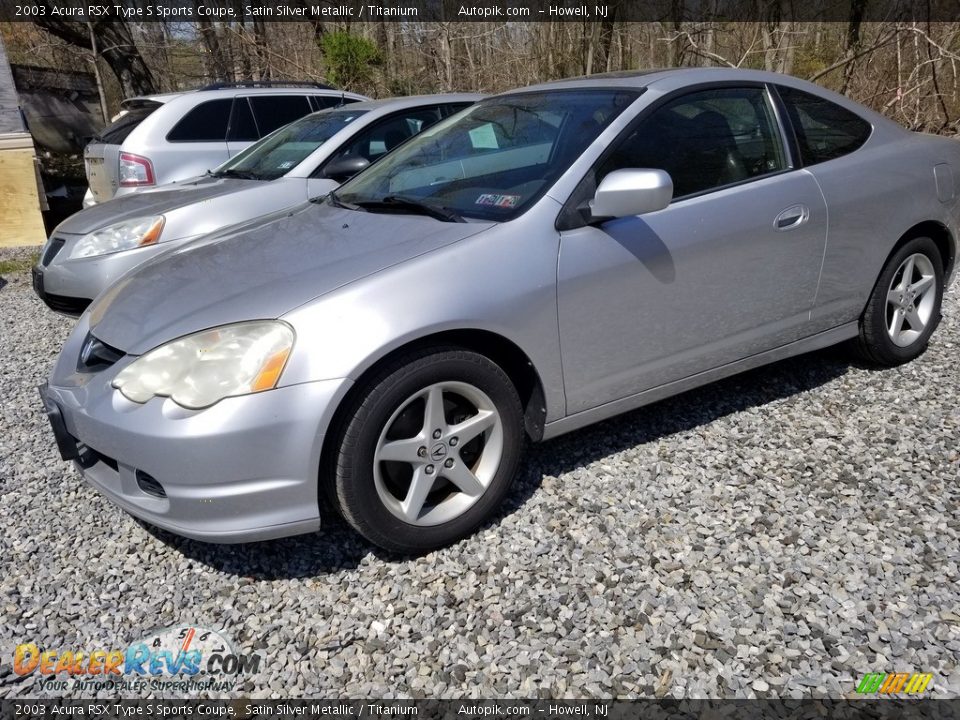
149, 485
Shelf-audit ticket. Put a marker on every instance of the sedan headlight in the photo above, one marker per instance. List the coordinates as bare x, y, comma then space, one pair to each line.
120, 236
199, 370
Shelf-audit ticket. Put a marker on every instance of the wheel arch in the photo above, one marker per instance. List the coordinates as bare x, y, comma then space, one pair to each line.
501, 350
942, 238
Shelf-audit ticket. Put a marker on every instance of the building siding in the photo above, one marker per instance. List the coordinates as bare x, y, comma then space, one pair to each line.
10, 119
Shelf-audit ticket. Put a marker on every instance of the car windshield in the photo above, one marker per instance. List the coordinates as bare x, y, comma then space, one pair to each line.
282, 150
491, 161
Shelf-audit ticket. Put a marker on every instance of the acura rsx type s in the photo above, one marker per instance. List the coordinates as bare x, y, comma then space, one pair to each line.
544, 259
309, 157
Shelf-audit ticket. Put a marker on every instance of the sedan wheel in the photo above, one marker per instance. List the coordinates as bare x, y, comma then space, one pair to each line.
904, 307
428, 450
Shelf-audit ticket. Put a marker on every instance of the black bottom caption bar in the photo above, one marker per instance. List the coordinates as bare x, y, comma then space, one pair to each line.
245, 709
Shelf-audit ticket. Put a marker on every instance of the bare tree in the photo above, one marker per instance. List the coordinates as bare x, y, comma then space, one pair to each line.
115, 44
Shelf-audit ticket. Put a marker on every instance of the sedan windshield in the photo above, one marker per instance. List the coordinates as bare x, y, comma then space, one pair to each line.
282, 150
491, 161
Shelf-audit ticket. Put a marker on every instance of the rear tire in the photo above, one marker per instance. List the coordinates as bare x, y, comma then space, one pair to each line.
904, 307
428, 450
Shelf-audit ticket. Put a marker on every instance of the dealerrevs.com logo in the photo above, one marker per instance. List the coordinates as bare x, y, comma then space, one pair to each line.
186, 658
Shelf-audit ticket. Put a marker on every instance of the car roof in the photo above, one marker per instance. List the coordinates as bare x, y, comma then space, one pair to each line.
141, 100
669, 79
673, 76
625, 79
399, 103
305, 90
236, 90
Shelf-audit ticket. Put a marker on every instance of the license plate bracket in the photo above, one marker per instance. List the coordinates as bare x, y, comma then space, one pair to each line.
37, 277
66, 443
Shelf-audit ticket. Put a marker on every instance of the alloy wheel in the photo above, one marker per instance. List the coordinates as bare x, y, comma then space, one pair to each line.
911, 299
438, 453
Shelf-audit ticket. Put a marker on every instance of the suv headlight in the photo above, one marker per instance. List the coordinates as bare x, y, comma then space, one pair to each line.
199, 370
125, 235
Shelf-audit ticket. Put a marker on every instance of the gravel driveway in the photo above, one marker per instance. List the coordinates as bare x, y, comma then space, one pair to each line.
780, 533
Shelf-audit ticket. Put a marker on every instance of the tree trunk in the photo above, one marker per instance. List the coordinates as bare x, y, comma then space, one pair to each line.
115, 46
96, 76
215, 62
446, 58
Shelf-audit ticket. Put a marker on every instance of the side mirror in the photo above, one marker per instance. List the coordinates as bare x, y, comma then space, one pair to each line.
343, 168
631, 192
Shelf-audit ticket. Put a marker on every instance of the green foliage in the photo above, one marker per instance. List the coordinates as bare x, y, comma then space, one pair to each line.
350, 59
12, 267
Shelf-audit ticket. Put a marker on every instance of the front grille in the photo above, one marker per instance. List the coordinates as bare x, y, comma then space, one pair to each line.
53, 247
65, 304
96, 355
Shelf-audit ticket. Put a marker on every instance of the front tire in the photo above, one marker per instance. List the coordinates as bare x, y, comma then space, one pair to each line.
428, 450
904, 307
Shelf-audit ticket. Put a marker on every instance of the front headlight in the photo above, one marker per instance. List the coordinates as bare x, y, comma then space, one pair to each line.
120, 236
199, 370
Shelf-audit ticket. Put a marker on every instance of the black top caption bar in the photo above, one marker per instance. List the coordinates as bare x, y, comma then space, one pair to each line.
483, 10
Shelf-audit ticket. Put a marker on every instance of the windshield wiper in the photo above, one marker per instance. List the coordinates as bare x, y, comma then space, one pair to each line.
399, 202
241, 174
334, 200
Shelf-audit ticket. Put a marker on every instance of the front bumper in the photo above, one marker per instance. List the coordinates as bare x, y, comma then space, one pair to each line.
65, 304
242, 470
69, 285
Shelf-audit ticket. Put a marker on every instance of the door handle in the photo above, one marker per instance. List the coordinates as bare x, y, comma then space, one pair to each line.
792, 217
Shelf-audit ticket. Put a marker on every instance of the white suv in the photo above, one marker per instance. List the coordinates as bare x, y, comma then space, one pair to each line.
162, 138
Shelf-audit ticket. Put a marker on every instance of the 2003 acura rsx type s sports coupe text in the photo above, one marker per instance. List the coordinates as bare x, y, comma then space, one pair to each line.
542, 260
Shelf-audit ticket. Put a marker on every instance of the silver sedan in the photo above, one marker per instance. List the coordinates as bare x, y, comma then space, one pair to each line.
548, 258
309, 157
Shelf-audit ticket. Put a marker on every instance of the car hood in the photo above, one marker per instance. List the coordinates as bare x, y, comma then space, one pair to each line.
260, 270
155, 202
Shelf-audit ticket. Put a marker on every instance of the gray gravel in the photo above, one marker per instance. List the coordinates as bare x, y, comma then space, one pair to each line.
777, 534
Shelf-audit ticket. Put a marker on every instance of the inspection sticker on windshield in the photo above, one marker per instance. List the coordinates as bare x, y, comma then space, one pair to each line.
495, 200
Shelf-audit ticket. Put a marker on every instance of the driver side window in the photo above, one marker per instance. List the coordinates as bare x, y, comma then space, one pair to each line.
382, 137
705, 140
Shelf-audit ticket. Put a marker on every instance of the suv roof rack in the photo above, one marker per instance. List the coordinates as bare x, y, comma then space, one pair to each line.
266, 84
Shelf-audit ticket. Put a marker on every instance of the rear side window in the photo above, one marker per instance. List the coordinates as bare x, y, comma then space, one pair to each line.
117, 131
207, 122
824, 130
274, 111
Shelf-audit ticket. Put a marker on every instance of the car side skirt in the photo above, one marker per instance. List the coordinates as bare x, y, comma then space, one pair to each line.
661, 392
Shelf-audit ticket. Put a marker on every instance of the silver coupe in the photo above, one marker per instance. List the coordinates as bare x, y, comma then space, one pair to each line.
545, 259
